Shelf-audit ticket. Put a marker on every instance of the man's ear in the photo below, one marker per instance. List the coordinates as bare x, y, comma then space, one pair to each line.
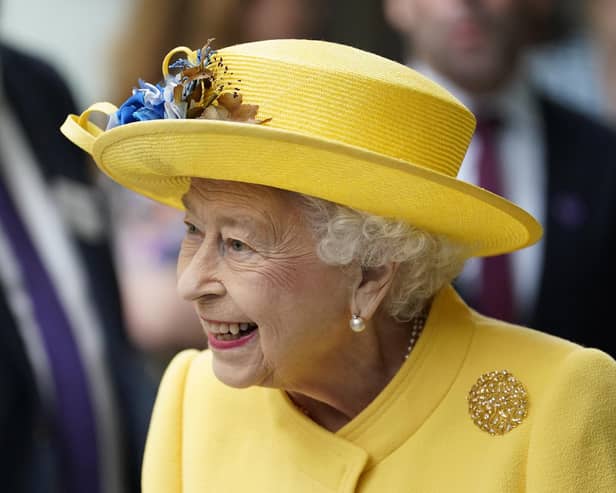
371, 289
400, 14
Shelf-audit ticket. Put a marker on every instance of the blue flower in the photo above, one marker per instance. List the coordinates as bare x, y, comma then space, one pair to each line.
129, 107
175, 97
182, 63
146, 103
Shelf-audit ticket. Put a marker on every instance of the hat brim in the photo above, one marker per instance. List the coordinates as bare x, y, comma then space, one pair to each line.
157, 159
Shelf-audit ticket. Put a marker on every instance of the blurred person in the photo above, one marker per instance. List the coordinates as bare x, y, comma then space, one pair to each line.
580, 70
74, 399
552, 161
318, 254
148, 235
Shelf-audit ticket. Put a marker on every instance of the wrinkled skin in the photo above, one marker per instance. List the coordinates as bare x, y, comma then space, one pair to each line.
249, 257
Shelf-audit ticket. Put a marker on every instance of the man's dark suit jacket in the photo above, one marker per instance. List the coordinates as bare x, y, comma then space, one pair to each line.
40, 101
579, 265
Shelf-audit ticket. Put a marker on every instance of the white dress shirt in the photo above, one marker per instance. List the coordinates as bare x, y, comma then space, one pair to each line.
570, 72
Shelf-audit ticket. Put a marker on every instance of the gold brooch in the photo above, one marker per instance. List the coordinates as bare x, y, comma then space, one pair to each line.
498, 402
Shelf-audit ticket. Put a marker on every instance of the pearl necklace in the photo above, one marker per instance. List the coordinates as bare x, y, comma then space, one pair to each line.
417, 326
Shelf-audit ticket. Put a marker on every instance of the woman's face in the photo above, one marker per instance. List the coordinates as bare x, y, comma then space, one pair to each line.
248, 263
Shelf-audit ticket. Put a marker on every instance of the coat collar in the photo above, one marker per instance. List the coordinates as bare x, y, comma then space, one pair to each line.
404, 404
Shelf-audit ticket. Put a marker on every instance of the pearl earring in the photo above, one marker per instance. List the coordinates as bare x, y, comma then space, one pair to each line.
357, 323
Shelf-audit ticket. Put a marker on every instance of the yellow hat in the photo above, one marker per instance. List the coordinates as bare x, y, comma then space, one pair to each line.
335, 122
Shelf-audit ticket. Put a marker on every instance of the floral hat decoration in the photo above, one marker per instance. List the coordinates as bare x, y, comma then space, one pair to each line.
314, 117
199, 89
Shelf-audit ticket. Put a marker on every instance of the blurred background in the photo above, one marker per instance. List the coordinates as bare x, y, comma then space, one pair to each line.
79, 36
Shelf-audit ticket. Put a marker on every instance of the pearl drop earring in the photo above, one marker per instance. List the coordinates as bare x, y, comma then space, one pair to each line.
357, 323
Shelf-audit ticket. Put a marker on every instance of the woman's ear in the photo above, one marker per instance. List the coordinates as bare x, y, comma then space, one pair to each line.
371, 289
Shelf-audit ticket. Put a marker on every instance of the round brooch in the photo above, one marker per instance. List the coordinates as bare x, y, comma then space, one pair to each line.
498, 402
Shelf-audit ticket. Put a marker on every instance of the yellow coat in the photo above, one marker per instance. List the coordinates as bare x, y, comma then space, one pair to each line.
416, 436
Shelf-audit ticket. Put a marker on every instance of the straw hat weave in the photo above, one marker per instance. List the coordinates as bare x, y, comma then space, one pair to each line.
346, 125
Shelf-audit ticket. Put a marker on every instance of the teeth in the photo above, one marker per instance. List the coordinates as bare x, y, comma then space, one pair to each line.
229, 328
224, 337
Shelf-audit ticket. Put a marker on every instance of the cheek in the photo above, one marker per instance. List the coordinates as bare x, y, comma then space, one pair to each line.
303, 297
297, 311
326, 296
258, 292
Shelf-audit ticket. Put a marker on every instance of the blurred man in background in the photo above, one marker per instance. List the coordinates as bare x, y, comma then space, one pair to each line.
74, 402
553, 162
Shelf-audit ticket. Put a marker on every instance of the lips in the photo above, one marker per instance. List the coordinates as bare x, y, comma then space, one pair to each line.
225, 335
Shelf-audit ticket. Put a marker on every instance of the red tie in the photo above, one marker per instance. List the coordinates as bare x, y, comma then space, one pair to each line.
495, 294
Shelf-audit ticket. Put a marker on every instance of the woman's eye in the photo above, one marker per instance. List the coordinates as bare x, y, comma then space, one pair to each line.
237, 246
191, 229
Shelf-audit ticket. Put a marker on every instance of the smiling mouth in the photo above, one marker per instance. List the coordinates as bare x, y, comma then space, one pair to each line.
224, 331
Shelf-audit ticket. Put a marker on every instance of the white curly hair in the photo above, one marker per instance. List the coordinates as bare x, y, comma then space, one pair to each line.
426, 261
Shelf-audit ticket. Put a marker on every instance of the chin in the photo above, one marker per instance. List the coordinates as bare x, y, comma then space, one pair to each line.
234, 375
478, 78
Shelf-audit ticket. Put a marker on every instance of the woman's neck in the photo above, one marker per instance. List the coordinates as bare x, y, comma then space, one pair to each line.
340, 388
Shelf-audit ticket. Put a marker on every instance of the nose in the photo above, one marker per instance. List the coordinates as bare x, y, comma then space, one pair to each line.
199, 274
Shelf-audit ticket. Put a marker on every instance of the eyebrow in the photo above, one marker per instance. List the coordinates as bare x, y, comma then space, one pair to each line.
241, 220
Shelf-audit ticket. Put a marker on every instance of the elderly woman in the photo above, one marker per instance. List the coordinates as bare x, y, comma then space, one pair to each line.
324, 224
